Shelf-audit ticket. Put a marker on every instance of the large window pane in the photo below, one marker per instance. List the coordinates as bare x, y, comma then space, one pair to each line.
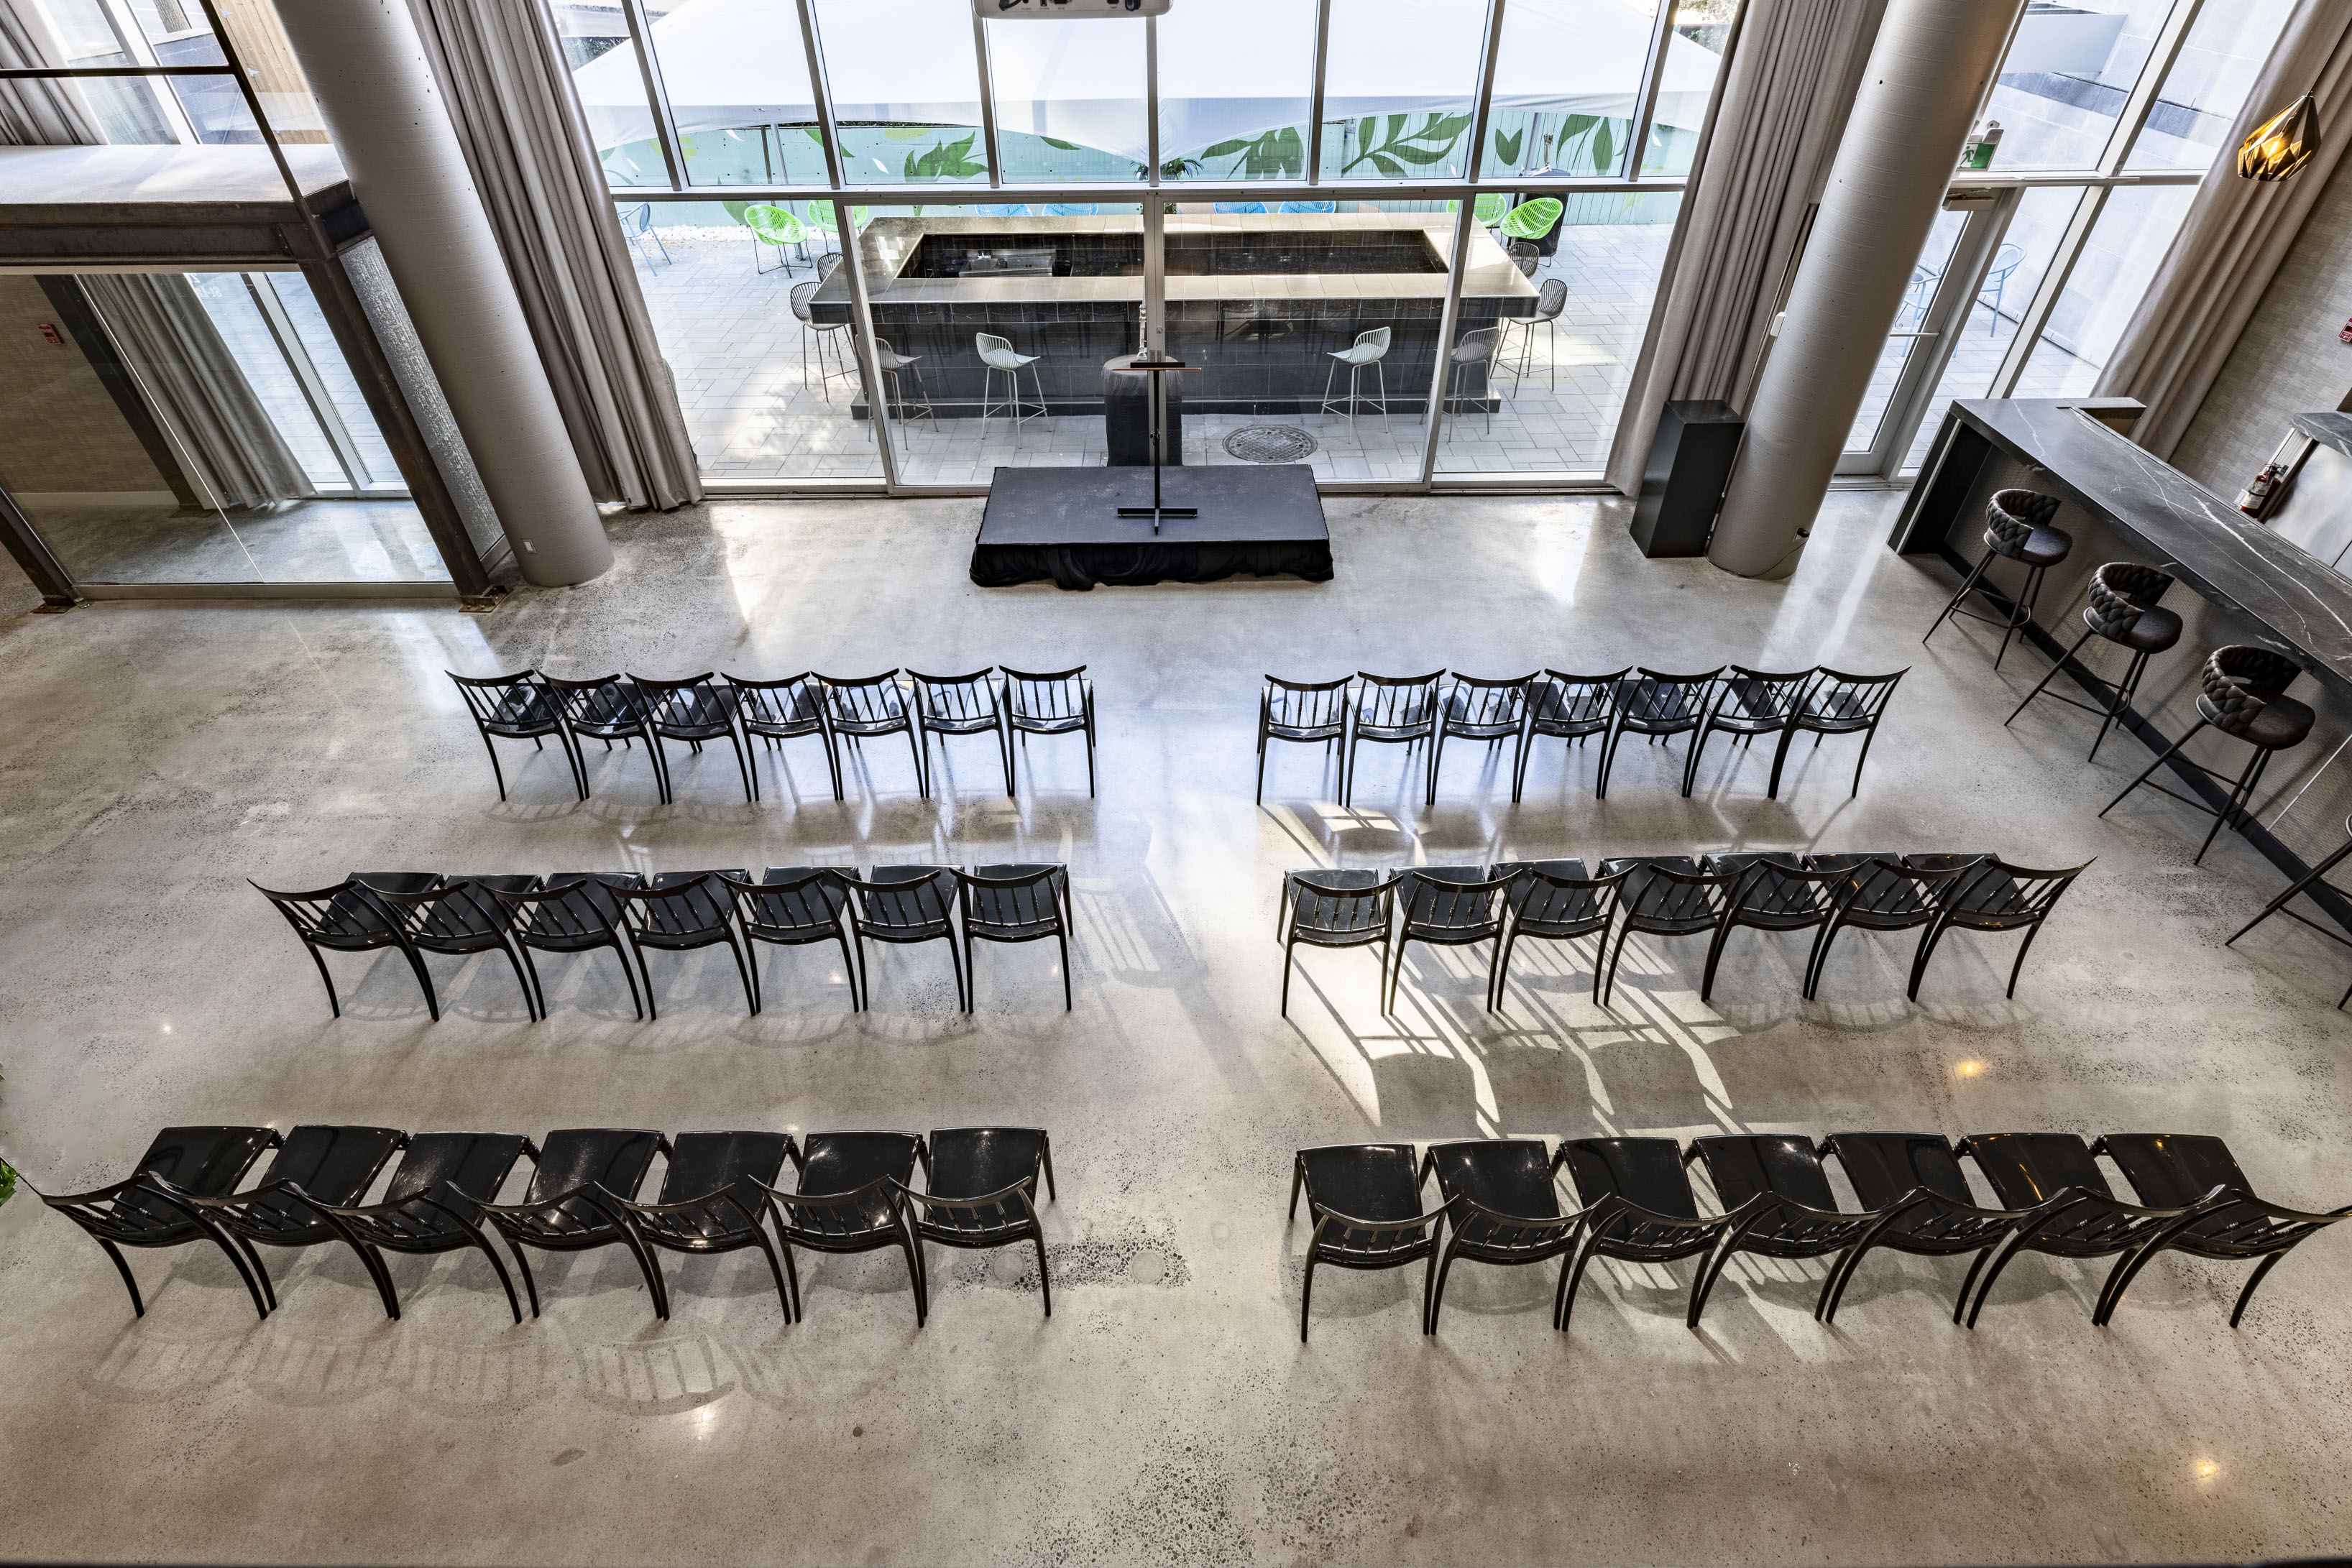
1548, 400
1398, 88
737, 75
2008, 288
1694, 51
2118, 259
1567, 80
126, 108
2208, 84
906, 89
1902, 340
1069, 99
1228, 113
2065, 80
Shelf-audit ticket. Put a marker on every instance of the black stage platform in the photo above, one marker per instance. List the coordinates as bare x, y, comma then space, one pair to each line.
1064, 523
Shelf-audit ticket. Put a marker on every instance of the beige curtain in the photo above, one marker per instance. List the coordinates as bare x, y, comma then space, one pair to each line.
527, 145
1795, 67
2236, 234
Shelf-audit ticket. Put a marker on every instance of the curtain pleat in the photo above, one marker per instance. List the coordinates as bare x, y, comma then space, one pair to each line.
193, 385
1794, 71
527, 145
2236, 234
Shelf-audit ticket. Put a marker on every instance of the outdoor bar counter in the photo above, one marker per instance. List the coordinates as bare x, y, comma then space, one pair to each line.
1257, 300
2237, 582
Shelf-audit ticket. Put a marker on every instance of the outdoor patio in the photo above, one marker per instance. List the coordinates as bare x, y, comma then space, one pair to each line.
755, 412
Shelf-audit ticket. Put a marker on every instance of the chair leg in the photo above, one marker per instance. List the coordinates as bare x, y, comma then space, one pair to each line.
425, 980
1781, 756
1867, 736
336, 1007
1437, 1288
1690, 763
523, 984
1608, 744
1609, 984
1258, 799
529, 1285
2240, 793
114, 1255
775, 1270
2000, 1259
1307, 1295
1711, 1268
1289, 952
848, 967
1714, 957
501, 1270
1061, 940
2247, 1294
1935, 933
372, 1261
2046, 679
1968, 586
628, 973
922, 770
744, 766
743, 972
1571, 1277
496, 772
1045, 1283
2022, 616
967, 978
1820, 957
2280, 901
2161, 758
861, 989
2121, 701
2023, 949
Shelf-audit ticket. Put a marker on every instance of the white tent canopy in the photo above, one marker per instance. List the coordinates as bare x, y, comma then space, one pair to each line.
740, 62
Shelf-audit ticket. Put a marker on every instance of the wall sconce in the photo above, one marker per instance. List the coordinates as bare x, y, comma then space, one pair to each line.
2282, 144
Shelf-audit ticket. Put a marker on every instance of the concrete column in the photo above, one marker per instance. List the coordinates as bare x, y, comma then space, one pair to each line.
1926, 75
392, 129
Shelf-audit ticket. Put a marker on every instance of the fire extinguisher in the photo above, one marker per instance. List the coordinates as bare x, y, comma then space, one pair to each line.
2256, 500
2346, 335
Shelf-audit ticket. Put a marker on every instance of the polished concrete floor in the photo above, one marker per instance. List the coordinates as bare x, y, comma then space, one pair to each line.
158, 755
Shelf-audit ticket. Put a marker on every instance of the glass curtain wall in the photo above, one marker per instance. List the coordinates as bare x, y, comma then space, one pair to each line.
2110, 112
1311, 163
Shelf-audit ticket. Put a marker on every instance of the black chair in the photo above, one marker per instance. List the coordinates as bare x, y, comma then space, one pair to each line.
1015, 904
1658, 705
777, 711
1837, 704
572, 1205
902, 905
1308, 714
1061, 702
2122, 610
463, 917
432, 1204
2066, 1209
1663, 895
1913, 1181
1500, 1208
2000, 897
2017, 528
1365, 1202
711, 1202
1749, 702
1773, 1190
350, 917
848, 1202
793, 906
679, 911
1769, 892
314, 1164
960, 704
1471, 709
1638, 1209
1568, 707
981, 1192
151, 1208
2181, 1170
607, 708
693, 710
518, 707
2243, 696
858, 708
1884, 893
1399, 710
572, 912
2301, 885
1449, 906
1556, 902
1335, 909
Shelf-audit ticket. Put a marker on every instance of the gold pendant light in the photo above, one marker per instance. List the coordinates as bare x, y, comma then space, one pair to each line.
2282, 144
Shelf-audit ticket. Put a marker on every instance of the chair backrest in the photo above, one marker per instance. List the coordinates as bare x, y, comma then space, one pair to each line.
1559, 893
1050, 695
773, 223
1441, 903
867, 699
1762, 694
1301, 705
1321, 907
701, 906
1533, 218
615, 1158
1839, 699
1029, 896
1475, 347
1653, 696
1474, 704
796, 700
2258, 671
997, 351
460, 910
689, 702
1551, 299
800, 296
1524, 257
1373, 338
347, 913
518, 699
566, 908
1667, 896
2003, 897
904, 896
1397, 702
635, 220
831, 259
602, 701
790, 898
954, 698
2013, 515
1559, 698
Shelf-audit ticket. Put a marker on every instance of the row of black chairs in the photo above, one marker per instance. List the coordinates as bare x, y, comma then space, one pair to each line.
1663, 895
830, 709
1499, 1203
418, 912
719, 1193
1426, 710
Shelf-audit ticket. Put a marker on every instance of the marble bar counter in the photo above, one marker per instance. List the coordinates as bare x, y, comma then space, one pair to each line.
2236, 581
1256, 300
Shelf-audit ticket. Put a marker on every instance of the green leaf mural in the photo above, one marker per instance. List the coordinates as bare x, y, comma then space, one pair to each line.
1391, 148
1506, 147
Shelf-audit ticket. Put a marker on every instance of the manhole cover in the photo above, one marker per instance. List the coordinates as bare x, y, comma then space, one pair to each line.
1269, 444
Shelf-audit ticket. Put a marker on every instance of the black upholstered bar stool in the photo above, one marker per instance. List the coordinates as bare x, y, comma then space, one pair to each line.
2122, 610
2243, 696
2017, 528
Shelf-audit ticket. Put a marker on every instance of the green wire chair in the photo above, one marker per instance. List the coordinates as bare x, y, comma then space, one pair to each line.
1532, 219
779, 228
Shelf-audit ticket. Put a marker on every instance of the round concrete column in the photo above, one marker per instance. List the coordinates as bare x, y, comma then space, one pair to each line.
368, 71
1926, 75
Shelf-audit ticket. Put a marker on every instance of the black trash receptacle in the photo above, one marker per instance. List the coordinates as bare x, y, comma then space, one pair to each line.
1127, 416
1689, 469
